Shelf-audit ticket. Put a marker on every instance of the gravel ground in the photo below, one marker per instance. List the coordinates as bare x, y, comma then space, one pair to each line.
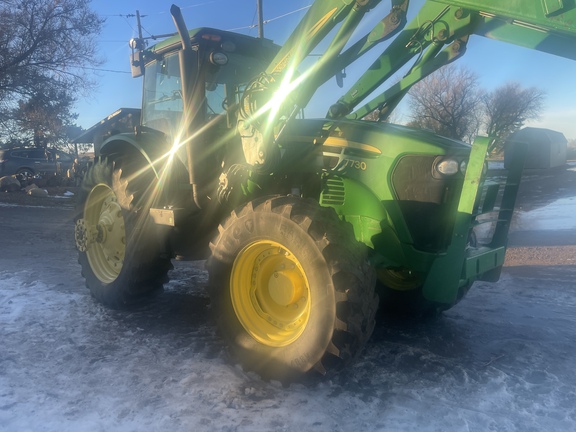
540, 256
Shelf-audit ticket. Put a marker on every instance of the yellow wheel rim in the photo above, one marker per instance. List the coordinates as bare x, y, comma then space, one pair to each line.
270, 293
103, 215
399, 279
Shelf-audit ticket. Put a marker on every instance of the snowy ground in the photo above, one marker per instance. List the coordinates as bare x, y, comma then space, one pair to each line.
502, 360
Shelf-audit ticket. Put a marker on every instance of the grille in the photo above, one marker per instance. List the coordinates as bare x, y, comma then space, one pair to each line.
333, 192
427, 203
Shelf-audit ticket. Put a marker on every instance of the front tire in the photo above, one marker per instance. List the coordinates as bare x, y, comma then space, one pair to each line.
120, 255
291, 288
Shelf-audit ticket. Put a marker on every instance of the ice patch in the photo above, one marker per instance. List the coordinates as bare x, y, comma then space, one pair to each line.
558, 215
8, 205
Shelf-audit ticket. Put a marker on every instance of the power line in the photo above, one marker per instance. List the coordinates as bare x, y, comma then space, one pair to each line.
251, 26
103, 70
130, 25
196, 5
286, 14
131, 15
271, 19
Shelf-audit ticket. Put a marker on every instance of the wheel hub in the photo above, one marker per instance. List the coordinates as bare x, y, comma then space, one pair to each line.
270, 293
101, 234
399, 279
281, 287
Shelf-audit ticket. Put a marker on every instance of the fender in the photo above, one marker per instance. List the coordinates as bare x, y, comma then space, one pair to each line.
151, 146
357, 204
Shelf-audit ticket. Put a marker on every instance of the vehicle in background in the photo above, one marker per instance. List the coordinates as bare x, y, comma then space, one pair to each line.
30, 162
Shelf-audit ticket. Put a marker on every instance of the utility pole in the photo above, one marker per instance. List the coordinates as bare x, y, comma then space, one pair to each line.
139, 25
260, 20
141, 38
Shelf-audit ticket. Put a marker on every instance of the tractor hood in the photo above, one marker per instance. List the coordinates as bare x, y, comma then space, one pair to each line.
370, 136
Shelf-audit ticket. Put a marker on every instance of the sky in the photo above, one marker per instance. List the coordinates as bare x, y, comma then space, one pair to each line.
494, 62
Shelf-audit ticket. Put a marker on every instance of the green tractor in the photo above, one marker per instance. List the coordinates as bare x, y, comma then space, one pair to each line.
306, 225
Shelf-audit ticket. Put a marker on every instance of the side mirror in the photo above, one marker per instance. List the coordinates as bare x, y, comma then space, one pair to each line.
136, 60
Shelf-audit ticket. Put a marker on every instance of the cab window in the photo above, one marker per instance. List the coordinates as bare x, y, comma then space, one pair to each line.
162, 100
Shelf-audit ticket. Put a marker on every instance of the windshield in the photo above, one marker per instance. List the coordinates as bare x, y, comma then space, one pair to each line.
162, 105
238, 71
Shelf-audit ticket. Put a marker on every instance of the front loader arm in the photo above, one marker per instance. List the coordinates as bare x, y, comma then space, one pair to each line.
544, 25
549, 16
428, 27
435, 27
268, 96
435, 37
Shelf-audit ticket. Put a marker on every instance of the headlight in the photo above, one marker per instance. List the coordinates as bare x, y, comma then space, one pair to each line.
447, 167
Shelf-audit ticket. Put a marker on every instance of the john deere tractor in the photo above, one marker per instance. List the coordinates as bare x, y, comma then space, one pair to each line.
306, 225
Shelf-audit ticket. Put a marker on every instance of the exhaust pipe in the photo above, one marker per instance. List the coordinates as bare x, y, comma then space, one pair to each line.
192, 120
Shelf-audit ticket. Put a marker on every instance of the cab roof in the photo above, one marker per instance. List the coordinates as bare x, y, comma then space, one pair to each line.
206, 33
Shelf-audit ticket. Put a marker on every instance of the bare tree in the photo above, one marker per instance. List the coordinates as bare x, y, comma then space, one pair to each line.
375, 117
447, 102
507, 108
46, 115
46, 47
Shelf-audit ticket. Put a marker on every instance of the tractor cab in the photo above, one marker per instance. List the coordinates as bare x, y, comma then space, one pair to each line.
220, 64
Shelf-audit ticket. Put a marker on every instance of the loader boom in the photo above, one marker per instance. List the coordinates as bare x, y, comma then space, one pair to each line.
435, 37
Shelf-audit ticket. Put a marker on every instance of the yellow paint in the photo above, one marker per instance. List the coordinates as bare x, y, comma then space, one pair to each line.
270, 293
341, 142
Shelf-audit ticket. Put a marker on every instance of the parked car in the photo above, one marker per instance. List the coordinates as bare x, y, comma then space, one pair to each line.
34, 161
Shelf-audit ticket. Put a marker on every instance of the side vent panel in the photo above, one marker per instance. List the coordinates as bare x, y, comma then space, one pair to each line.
333, 193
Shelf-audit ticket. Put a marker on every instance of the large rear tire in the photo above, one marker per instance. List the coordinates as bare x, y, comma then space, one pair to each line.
291, 288
120, 252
